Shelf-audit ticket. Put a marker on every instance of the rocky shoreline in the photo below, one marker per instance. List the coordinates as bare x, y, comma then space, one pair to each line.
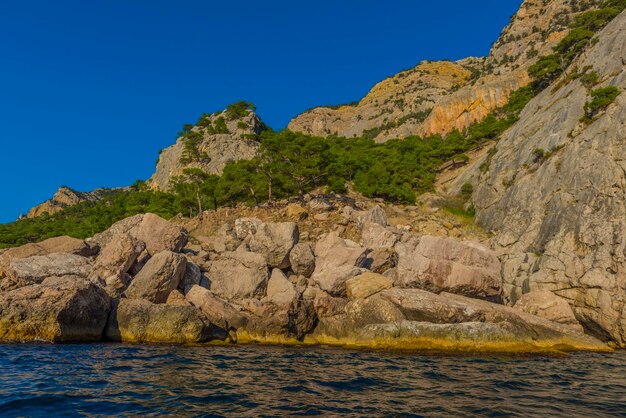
145, 280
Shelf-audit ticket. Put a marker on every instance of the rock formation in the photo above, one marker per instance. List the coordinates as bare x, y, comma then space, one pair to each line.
64, 198
436, 97
221, 137
160, 288
554, 193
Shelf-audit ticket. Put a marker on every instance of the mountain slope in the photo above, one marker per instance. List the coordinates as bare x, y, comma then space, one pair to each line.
216, 139
554, 192
64, 198
436, 97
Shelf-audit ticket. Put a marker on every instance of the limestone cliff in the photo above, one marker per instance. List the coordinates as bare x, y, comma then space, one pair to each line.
223, 137
394, 107
64, 198
436, 97
554, 193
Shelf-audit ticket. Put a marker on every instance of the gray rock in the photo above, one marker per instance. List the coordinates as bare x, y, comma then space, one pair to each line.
275, 241
445, 265
377, 215
61, 309
115, 260
280, 291
157, 233
238, 275
192, 276
216, 310
158, 278
32, 270
366, 285
246, 226
146, 322
568, 210
302, 259
375, 236
550, 306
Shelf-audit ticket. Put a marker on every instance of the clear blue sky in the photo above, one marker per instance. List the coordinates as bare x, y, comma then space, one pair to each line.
90, 90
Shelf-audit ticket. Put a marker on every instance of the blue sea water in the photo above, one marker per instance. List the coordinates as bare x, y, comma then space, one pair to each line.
139, 380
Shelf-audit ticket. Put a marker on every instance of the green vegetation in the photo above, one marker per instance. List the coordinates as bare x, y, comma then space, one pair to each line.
89, 218
239, 110
583, 28
601, 98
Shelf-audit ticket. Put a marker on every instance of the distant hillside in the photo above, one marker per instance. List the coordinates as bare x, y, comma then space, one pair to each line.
437, 97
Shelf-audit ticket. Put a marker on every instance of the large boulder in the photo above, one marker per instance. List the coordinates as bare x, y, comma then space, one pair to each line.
143, 321
302, 259
366, 285
273, 323
275, 241
550, 306
333, 251
280, 291
336, 261
442, 264
418, 319
420, 305
161, 274
61, 309
333, 280
160, 235
381, 260
32, 270
157, 233
325, 305
375, 236
216, 310
114, 262
238, 275
62, 244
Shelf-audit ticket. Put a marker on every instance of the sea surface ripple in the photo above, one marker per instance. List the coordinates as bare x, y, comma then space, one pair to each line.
139, 380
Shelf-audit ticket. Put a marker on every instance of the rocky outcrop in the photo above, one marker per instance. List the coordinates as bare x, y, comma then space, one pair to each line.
550, 306
280, 291
33, 270
444, 265
400, 102
198, 295
158, 278
216, 310
337, 260
414, 319
366, 285
61, 309
437, 97
141, 321
275, 241
235, 141
115, 261
66, 197
238, 275
554, 194
155, 232
302, 259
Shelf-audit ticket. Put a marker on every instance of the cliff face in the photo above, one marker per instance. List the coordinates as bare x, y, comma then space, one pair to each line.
219, 146
436, 97
394, 107
64, 198
554, 193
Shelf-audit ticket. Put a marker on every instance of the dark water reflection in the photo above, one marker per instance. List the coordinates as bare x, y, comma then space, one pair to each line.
98, 380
